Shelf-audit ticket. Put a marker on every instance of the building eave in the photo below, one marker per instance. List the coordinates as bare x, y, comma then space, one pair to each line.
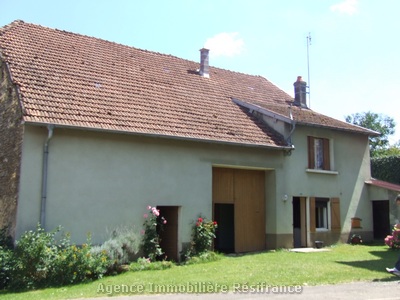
383, 184
164, 136
253, 107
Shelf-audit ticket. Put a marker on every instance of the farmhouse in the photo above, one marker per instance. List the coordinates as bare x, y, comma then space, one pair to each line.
92, 132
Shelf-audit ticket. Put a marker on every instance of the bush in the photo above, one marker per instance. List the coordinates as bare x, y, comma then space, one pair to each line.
386, 168
40, 261
121, 248
75, 264
203, 234
207, 256
6, 240
6, 245
143, 264
393, 241
5, 266
152, 225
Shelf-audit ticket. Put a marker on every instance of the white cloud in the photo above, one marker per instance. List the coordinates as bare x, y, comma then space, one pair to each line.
348, 7
225, 44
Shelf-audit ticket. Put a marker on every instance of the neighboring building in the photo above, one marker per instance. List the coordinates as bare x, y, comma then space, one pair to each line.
93, 131
385, 211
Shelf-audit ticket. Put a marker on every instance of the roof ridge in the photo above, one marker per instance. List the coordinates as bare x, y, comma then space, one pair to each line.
18, 22
21, 22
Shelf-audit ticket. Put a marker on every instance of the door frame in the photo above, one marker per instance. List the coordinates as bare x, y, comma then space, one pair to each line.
300, 236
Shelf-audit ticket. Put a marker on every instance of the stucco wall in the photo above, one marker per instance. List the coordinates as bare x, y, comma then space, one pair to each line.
100, 180
350, 157
10, 150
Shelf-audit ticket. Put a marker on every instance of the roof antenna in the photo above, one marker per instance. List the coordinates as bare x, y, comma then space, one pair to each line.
308, 68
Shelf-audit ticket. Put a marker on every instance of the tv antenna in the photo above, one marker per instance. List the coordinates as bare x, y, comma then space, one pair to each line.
308, 67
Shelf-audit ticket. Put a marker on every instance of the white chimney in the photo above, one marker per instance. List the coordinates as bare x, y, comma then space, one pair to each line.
204, 67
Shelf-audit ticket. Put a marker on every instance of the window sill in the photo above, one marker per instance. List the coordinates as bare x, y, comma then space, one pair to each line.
322, 171
321, 229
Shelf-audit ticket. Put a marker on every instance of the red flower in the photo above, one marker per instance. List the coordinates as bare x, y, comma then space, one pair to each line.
215, 223
200, 220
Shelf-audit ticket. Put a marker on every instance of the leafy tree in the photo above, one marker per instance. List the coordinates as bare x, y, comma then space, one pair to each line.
385, 125
393, 150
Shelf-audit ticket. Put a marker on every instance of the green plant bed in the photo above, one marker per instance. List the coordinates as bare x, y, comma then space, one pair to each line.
344, 263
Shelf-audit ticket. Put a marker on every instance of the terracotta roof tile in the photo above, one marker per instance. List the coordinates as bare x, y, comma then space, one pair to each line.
76, 80
305, 116
383, 184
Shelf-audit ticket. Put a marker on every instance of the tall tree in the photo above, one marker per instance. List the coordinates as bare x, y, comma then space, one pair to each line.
383, 124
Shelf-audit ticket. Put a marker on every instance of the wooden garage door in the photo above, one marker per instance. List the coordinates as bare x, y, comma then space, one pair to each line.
246, 190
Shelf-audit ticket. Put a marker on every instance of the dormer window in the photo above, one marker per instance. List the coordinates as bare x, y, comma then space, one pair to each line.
318, 153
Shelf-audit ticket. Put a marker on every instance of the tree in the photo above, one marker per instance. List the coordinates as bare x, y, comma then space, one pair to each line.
383, 124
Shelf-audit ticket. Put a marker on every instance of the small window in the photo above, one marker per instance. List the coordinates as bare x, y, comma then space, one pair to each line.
318, 153
325, 214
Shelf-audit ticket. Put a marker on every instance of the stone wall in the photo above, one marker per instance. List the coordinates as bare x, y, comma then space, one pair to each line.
11, 131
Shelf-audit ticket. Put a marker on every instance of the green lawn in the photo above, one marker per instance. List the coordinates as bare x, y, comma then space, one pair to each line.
344, 263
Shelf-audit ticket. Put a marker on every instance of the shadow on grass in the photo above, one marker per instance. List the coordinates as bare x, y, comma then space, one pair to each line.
386, 259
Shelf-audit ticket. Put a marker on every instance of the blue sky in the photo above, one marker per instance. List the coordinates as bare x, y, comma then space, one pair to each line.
354, 56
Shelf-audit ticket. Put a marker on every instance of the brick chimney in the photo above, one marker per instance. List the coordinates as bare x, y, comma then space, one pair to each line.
300, 92
204, 67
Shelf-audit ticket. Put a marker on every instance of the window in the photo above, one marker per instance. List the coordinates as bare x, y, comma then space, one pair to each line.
318, 153
321, 213
325, 214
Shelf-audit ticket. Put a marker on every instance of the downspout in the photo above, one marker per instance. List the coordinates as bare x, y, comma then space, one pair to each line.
293, 123
50, 129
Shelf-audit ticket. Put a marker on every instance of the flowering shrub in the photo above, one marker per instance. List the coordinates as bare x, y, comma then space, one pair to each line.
356, 239
393, 241
203, 233
152, 225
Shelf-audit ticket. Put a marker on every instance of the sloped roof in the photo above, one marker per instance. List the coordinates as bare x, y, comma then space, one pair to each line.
384, 184
308, 117
74, 80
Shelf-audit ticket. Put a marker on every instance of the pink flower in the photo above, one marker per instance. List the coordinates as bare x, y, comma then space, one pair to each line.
165, 222
389, 241
142, 232
149, 207
145, 216
155, 212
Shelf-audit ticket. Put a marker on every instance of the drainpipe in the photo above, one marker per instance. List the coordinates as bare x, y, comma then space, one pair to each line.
50, 129
293, 123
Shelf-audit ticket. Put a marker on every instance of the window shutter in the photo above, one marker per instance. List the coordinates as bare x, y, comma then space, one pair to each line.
311, 162
335, 214
327, 164
312, 214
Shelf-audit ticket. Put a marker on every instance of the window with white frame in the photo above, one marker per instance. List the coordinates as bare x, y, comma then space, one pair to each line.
322, 212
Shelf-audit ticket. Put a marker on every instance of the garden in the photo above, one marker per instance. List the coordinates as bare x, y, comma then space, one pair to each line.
44, 266
43, 259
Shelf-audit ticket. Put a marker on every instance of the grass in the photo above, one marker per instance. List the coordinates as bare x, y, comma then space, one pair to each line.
344, 263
